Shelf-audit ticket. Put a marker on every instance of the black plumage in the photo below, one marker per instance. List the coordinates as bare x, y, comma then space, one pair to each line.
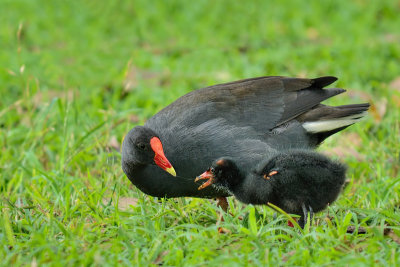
244, 120
297, 181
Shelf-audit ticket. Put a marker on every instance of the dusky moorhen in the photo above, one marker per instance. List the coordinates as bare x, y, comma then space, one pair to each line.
297, 181
244, 120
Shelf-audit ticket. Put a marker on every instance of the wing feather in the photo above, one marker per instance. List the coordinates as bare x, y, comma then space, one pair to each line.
261, 103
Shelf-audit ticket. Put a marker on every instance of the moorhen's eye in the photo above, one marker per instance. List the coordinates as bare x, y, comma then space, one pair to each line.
141, 146
212, 170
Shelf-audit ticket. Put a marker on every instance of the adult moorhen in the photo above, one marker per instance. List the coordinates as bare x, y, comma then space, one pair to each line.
296, 181
244, 120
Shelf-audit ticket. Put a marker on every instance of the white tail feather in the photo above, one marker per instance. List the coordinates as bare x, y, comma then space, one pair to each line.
329, 125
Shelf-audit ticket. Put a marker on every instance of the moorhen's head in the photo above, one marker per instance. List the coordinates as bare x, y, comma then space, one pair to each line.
223, 173
142, 147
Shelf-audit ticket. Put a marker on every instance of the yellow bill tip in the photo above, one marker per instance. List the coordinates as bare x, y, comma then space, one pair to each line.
171, 171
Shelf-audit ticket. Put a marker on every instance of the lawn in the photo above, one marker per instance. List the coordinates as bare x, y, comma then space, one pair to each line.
76, 76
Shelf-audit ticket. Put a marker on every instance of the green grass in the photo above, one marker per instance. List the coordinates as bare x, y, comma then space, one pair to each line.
75, 76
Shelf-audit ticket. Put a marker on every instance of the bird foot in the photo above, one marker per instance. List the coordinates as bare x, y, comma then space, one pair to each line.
223, 230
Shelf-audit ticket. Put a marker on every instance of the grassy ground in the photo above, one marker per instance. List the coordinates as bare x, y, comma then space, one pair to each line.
75, 76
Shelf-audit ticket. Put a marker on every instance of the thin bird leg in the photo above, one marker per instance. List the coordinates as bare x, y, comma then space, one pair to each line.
304, 210
223, 203
311, 212
303, 219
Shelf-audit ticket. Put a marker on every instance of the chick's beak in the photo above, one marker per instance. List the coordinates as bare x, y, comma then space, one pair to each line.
207, 175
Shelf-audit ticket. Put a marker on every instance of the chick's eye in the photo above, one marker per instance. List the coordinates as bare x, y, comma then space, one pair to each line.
141, 146
212, 170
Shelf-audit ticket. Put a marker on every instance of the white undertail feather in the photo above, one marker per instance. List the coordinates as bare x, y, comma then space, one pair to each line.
329, 125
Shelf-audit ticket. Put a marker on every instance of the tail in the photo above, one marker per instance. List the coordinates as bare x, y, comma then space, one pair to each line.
323, 121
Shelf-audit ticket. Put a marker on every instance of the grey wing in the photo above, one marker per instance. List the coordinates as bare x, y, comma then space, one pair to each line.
261, 103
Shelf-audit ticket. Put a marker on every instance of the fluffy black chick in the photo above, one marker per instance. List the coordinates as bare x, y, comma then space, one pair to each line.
297, 181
